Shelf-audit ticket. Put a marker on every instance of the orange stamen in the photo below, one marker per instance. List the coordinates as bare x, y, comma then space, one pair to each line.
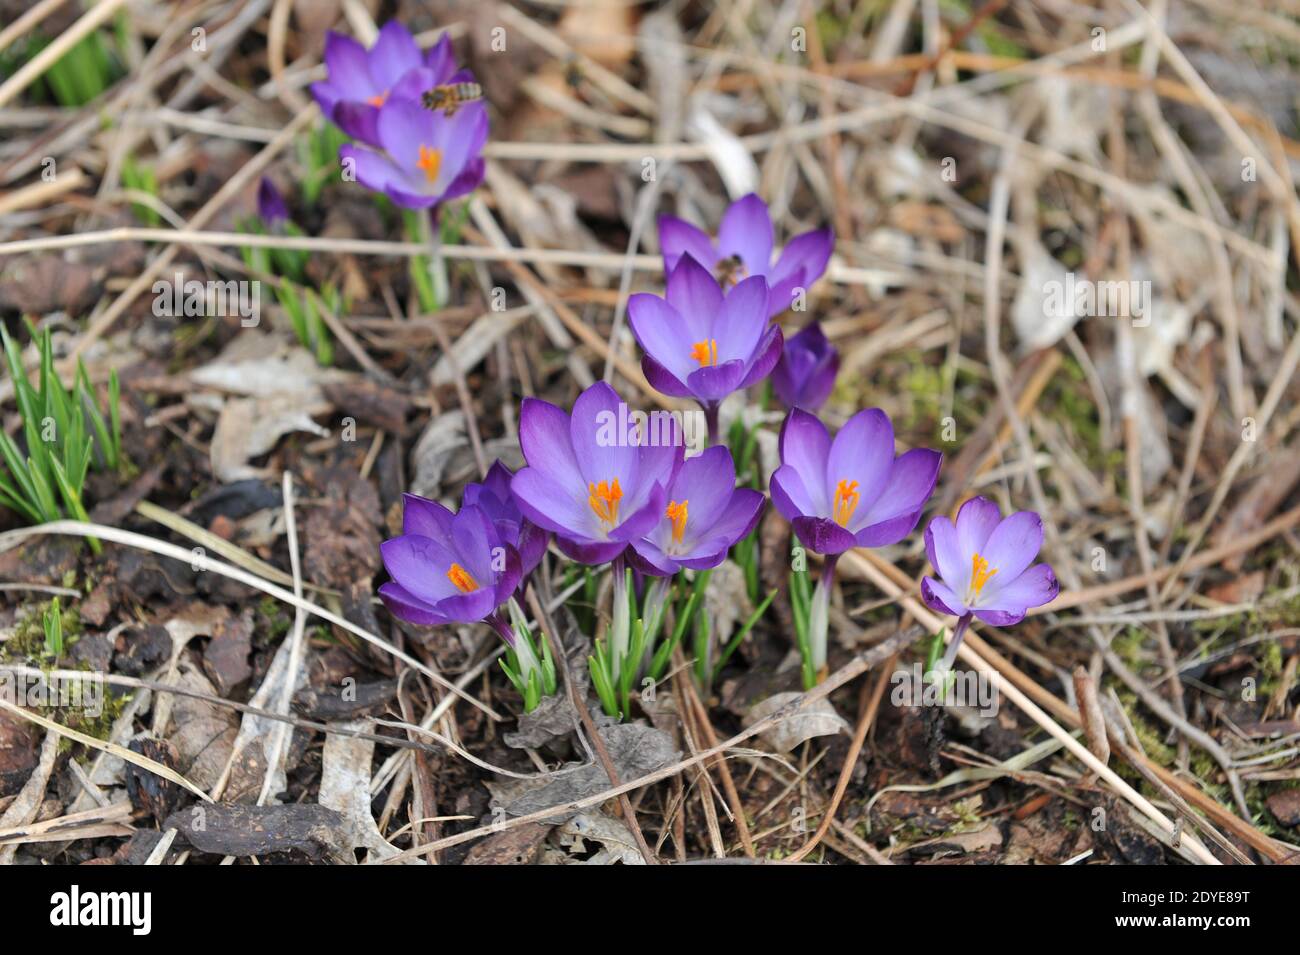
603, 499
979, 574
459, 576
677, 514
706, 353
430, 161
846, 501
378, 101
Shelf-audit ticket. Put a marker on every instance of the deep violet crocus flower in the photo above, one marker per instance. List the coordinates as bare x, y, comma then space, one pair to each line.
986, 567
744, 248
455, 568
494, 498
850, 492
705, 515
805, 375
701, 342
360, 81
428, 157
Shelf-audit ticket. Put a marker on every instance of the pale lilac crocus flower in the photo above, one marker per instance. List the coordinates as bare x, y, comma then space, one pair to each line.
986, 568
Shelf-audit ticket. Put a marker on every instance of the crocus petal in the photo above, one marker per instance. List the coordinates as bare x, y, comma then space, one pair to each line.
976, 520
677, 237
327, 97
589, 551
440, 59
694, 293
467, 181
809, 254
1013, 545
373, 170
662, 333
945, 554
1000, 618
766, 356
715, 382
911, 482
395, 51
649, 558
549, 504
739, 517
742, 321
1033, 588
789, 495
662, 380
459, 137
545, 441
359, 120
476, 543
532, 546
822, 535
889, 531
347, 66
602, 452
420, 565
940, 598
746, 230
470, 607
404, 605
641, 521
425, 518
863, 451
509, 578
806, 446
403, 128
707, 481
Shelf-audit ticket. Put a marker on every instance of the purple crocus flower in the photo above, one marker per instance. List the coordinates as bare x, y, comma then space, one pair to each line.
805, 375
703, 343
493, 497
851, 492
744, 248
705, 515
428, 157
596, 489
985, 564
271, 207
447, 568
360, 81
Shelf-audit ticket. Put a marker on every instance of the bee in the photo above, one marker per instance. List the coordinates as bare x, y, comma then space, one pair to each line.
451, 97
730, 270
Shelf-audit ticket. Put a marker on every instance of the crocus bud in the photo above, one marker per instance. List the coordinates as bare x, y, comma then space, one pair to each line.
805, 375
271, 206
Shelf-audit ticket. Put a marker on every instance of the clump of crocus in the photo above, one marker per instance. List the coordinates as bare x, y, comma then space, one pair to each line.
986, 569
850, 492
428, 158
454, 568
494, 498
744, 249
805, 375
360, 81
703, 342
